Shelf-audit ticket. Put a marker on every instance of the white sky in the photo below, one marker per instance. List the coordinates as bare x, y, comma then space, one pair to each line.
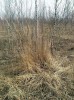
47, 4
29, 3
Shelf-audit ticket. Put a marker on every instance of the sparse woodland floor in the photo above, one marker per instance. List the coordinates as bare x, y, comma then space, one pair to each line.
51, 79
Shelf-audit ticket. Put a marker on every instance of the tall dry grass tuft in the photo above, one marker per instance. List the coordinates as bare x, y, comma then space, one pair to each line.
34, 59
33, 52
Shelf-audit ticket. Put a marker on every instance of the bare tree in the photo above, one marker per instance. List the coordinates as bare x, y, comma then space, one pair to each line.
36, 27
67, 12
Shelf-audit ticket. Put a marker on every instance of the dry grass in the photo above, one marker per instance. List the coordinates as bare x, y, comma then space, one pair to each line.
54, 85
34, 73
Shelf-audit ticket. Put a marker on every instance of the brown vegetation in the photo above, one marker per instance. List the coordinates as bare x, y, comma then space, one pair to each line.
36, 54
36, 75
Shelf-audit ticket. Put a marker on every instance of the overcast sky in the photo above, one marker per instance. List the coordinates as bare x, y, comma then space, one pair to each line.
29, 3
32, 3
